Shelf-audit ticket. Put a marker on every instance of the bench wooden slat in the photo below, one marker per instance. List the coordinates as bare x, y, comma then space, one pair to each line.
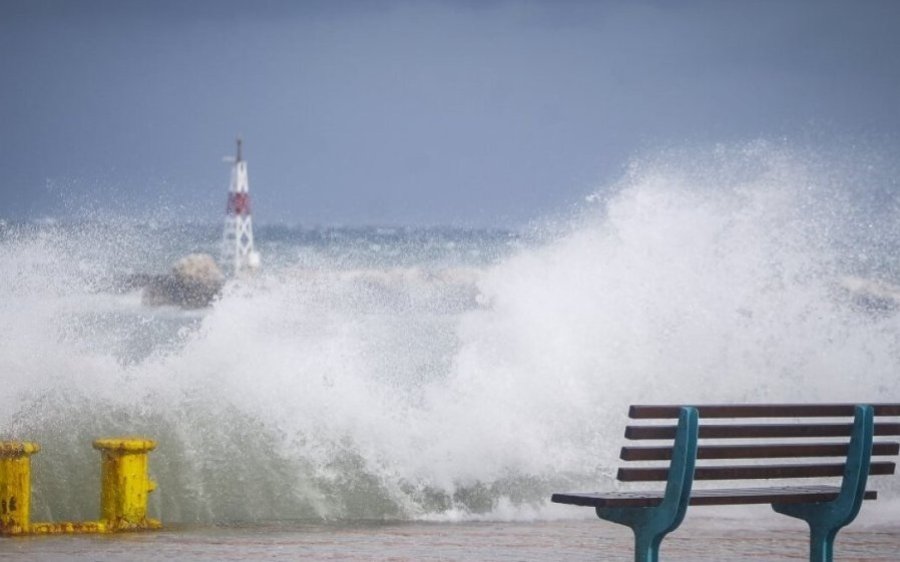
794, 494
750, 431
759, 410
767, 451
746, 472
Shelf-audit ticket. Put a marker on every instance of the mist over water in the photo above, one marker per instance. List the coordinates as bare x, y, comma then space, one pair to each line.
443, 374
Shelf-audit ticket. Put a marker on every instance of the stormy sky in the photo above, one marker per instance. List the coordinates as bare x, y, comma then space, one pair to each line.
470, 113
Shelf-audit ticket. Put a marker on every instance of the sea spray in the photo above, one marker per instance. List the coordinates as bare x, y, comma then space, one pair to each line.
397, 374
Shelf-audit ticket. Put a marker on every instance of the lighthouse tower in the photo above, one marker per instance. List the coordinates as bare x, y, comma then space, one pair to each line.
238, 253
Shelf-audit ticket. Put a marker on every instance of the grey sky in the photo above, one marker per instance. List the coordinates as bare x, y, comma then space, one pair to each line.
401, 112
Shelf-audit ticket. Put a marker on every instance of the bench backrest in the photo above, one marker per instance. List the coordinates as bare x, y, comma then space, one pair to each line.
794, 441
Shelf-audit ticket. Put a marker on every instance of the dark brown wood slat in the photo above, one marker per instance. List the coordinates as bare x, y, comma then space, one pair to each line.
752, 431
768, 451
747, 472
758, 410
794, 494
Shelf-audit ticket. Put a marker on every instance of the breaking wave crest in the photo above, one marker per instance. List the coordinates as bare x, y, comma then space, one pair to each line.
329, 389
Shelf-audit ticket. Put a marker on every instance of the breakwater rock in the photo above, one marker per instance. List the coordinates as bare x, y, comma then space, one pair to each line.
195, 280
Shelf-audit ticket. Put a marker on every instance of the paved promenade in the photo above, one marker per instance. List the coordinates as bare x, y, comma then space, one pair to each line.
699, 540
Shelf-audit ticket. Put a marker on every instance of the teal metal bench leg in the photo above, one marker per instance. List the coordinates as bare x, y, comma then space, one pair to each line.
649, 527
646, 548
651, 524
825, 519
821, 544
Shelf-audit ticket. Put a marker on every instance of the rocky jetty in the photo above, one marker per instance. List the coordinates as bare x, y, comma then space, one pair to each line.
872, 294
195, 280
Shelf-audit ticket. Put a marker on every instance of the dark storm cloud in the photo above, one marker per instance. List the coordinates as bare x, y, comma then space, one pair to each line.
412, 112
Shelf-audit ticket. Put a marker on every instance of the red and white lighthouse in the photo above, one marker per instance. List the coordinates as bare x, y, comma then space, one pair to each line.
238, 252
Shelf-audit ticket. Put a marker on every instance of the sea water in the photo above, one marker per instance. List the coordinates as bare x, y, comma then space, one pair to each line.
446, 378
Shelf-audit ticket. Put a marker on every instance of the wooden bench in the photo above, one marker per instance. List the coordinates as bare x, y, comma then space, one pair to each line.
795, 441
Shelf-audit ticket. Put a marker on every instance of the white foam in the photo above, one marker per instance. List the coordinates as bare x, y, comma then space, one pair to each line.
393, 393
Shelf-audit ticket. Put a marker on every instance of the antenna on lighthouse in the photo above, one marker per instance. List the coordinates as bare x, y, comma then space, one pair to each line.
238, 253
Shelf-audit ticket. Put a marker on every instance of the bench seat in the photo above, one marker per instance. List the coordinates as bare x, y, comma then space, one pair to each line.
730, 496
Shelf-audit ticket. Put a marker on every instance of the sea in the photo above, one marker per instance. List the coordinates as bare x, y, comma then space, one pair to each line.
417, 393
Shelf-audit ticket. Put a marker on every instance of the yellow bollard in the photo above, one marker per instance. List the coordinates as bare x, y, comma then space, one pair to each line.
15, 486
125, 483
